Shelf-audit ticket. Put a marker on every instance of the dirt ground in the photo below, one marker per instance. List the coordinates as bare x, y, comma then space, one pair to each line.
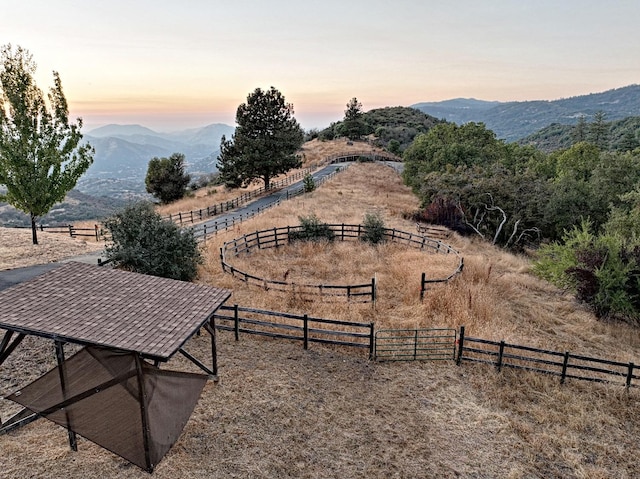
279, 411
17, 249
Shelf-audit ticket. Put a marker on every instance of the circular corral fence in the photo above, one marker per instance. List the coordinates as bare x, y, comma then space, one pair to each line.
363, 292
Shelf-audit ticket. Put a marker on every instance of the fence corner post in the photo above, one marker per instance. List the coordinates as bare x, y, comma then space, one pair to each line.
460, 346
422, 288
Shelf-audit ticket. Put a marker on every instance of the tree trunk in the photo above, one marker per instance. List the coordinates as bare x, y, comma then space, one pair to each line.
267, 182
34, 230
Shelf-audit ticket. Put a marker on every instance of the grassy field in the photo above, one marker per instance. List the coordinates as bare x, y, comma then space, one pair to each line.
280, 411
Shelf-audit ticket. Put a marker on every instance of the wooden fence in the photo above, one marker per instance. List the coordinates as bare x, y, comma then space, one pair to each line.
276, 237
296, 327
205, 229
224, 206
71, 230
565, 365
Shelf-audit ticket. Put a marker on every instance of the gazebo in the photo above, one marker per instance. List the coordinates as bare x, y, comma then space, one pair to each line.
112, 391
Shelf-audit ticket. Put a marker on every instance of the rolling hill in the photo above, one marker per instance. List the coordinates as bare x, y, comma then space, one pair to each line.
515, 120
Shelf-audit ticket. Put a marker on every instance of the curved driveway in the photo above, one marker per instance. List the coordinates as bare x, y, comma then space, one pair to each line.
12, 277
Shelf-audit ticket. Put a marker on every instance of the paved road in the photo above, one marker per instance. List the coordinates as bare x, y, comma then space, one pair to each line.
11, 277
227, 220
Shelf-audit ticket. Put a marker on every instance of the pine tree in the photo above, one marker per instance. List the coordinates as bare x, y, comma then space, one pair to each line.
265, 142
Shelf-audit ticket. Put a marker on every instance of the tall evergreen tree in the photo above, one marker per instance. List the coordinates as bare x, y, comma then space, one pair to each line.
353, 126
265, 142
579, 131
41, 158
599, 131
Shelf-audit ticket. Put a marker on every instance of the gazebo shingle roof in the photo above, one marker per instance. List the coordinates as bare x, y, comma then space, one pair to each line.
92, 305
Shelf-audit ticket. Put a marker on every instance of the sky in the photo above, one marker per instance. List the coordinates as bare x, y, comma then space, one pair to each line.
172, 65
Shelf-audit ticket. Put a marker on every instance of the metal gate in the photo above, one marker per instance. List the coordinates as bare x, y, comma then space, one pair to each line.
415, 344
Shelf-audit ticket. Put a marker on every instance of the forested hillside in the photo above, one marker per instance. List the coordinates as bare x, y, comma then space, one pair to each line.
514, 120
621, 135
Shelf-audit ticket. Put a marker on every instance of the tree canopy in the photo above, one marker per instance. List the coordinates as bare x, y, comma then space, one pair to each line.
41, 158
166, 178
265, 142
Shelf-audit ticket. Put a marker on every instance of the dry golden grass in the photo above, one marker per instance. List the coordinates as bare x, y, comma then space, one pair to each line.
315, 152
17, 249
280, 411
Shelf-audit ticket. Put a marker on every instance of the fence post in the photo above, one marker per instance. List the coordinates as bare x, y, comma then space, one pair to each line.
180, 217
371, 342
460, 346
500, 354
373, 290
422, 281
71, 230
565, 363
205, 232
236, 322
97, 233
629, 375
306, 331
275, 234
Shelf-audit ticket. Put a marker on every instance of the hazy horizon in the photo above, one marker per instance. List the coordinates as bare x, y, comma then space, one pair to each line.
173, 66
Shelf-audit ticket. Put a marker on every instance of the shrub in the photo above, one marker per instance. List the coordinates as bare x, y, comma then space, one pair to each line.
145, 243
373, 229
311, 229
599, 269
309, 183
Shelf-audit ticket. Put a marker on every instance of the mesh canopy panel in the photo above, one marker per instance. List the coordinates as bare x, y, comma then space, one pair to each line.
102, 401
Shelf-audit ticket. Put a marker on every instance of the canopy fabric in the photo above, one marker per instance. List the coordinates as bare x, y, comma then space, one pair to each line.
118, 401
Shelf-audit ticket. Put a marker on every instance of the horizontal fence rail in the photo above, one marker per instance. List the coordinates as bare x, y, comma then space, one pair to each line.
276, 237
565, 365
70, 230
295, 327
224, 206
415, 344
202, 231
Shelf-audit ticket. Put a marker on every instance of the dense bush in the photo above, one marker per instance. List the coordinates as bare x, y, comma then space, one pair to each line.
373, 229
600, 269
145, 243
312, 229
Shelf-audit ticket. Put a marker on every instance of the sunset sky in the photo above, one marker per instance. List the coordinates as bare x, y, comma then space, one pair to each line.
171, 65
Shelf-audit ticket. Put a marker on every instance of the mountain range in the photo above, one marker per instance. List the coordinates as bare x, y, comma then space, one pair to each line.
515, 120
122, 154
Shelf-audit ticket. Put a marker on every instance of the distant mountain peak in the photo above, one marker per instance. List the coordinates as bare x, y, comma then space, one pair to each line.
121, 130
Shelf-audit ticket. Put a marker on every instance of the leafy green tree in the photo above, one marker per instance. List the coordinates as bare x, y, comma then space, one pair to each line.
41, 158
353, 126
145, 243
265, 142
394, 147
450, 145
166, 178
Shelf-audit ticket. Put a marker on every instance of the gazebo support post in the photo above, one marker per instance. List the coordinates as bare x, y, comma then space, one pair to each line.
7, 347
144, 414
73, 444
211, 328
